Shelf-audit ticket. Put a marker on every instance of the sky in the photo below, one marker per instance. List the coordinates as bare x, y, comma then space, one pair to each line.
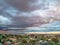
29, 13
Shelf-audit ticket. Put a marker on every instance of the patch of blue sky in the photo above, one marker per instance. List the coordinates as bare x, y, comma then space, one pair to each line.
4, 20
54, 24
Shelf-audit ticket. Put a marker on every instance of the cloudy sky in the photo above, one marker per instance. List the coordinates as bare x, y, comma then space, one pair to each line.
27, 13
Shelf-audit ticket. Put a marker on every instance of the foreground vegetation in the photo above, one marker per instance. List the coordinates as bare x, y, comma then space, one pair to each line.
31, 39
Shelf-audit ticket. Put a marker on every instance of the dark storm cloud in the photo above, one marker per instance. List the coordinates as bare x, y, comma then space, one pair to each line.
19, 4
25, 13
24, 21
27, 5
31, 5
